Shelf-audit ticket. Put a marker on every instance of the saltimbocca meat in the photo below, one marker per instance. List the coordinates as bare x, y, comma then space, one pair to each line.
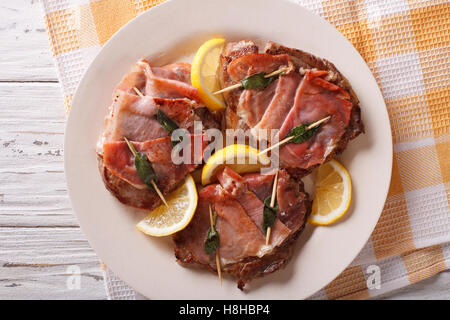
239, 204
134, 117
313, 90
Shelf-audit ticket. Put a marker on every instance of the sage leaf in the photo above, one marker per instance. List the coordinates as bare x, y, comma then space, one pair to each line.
143, 166
166, 123
212, 241
269, 214
256, 81
301, 133
145, 170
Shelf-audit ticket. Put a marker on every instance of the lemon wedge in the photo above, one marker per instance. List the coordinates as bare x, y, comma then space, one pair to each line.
163, 221
204, 73
333, 194
239, 157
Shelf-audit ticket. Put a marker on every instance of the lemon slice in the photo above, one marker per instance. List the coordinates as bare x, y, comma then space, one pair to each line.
239, 157
333, 194
163, 221
204, 73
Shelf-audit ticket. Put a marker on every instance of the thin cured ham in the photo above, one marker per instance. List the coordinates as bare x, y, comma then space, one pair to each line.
310, 89
253, 104
280, 105
232, 51
235, 185
119, 160
141, 75
161, 87
243, 252
240, 237
133, 115
314, 90
315, 100
255, 63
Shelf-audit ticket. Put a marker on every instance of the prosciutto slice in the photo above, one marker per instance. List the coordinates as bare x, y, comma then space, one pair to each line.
316, 99
242, 250
255, 63
134, 116
280, 105
239, 236
259, 184
292, 202
141, 73
238, 188
253, 103
119, 160
315, 88
160, 87
231, 52
175, 71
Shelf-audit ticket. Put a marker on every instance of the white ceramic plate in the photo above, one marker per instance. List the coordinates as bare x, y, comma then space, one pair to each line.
174, 30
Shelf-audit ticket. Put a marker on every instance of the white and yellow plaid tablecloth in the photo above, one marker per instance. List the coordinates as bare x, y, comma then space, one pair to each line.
406, 44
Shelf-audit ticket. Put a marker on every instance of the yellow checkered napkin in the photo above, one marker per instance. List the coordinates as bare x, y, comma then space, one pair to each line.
406, 44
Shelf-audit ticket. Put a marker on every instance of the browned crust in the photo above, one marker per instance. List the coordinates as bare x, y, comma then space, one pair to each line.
302, 59
231, 51
249, 268
253, 267
145, 198
125, 192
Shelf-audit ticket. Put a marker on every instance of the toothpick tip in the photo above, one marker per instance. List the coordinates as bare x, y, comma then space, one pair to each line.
161, 196
269, 229
139, 93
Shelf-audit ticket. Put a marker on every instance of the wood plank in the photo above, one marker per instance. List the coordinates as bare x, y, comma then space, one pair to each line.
24, 53
40, 240
32, 124
37, 263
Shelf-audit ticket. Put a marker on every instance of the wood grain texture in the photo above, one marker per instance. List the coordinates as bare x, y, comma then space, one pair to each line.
24, 51
40, 240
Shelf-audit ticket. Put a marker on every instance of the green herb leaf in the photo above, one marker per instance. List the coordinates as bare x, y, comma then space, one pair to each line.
145, 170
212, 241
143, 166
256, 81
302, 134
168, 124
269, 213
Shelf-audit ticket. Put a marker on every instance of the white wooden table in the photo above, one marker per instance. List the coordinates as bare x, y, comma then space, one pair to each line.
39, 236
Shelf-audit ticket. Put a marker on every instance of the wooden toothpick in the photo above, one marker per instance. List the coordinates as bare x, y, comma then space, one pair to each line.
161, 196
219, 271
136, 155
139, 93
315, 124
272, 204
238, 85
